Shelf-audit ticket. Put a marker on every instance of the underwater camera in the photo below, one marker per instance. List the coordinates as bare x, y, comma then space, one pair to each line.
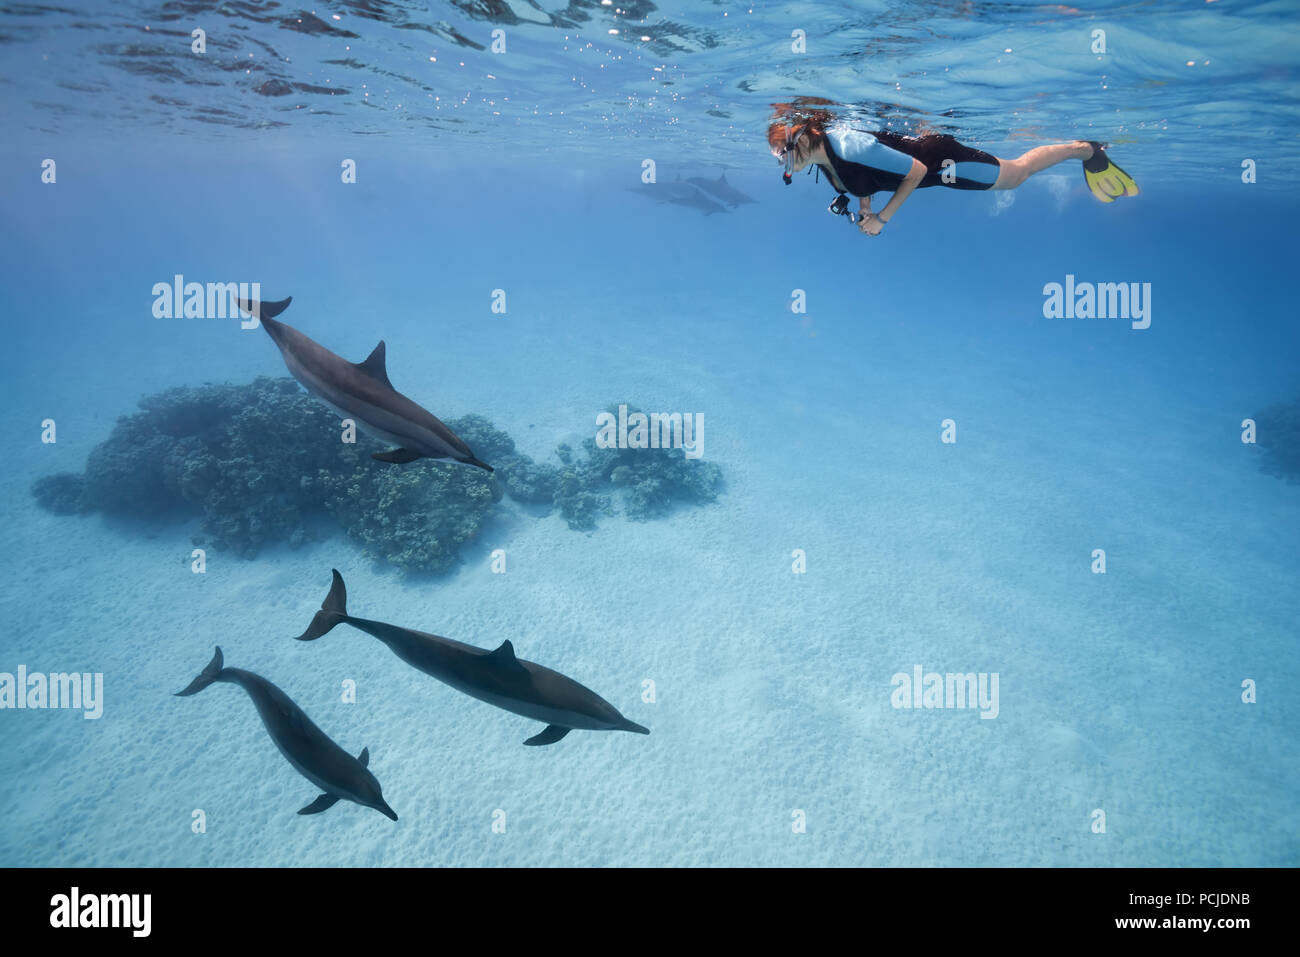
840, 207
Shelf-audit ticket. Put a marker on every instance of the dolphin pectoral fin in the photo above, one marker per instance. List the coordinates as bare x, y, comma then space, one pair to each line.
397, 456
375, 366
322, 803
364, 757
504, 659
550, 735
476, 463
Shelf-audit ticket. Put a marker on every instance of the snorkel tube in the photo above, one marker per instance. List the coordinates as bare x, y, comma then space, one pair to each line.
787, 154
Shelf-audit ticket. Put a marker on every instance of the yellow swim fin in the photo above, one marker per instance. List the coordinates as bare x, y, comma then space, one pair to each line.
1106, 180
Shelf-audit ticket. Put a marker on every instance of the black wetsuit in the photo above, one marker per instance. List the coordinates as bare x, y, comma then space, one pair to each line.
864, 162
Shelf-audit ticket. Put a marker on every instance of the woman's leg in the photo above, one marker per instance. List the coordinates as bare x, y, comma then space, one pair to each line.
1012, 173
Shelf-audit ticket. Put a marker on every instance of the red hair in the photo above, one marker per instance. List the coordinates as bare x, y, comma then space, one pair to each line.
789, 119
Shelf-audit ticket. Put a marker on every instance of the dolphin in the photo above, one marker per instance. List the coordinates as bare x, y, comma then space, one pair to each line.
309, 749
497, 677
361, 391
684, 194
681, 193
721, 189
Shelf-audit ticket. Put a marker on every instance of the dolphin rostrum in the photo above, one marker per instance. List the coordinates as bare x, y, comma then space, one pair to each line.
361, 391
309, 749
497, 677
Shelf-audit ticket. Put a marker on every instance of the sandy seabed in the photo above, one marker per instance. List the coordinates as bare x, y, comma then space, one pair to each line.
772, 690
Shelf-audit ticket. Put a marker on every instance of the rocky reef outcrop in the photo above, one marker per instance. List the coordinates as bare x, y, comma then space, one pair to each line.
263, 463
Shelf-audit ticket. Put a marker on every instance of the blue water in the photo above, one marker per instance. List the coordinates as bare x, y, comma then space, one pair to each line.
774, 737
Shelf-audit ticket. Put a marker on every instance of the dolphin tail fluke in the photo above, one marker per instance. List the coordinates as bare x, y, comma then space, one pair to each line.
322, 803
549, 735
264, 310
332, 611
209, 674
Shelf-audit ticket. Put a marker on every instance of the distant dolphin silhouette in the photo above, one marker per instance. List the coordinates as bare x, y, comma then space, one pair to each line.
309, 749
680, 193
361, 391
497, 677
721, 189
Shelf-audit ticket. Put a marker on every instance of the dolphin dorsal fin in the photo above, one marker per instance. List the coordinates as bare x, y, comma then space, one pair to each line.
504, 658
374, 366
364, 757
722, 178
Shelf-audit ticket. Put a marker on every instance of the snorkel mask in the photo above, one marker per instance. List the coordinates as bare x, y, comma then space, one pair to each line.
786, 158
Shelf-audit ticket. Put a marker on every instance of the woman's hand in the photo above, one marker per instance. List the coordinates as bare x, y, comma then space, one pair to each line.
871, 224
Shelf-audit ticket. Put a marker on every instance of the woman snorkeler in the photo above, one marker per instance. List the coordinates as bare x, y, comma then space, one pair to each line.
862, 163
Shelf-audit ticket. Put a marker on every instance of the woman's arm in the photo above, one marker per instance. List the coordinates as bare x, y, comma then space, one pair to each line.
909, 183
